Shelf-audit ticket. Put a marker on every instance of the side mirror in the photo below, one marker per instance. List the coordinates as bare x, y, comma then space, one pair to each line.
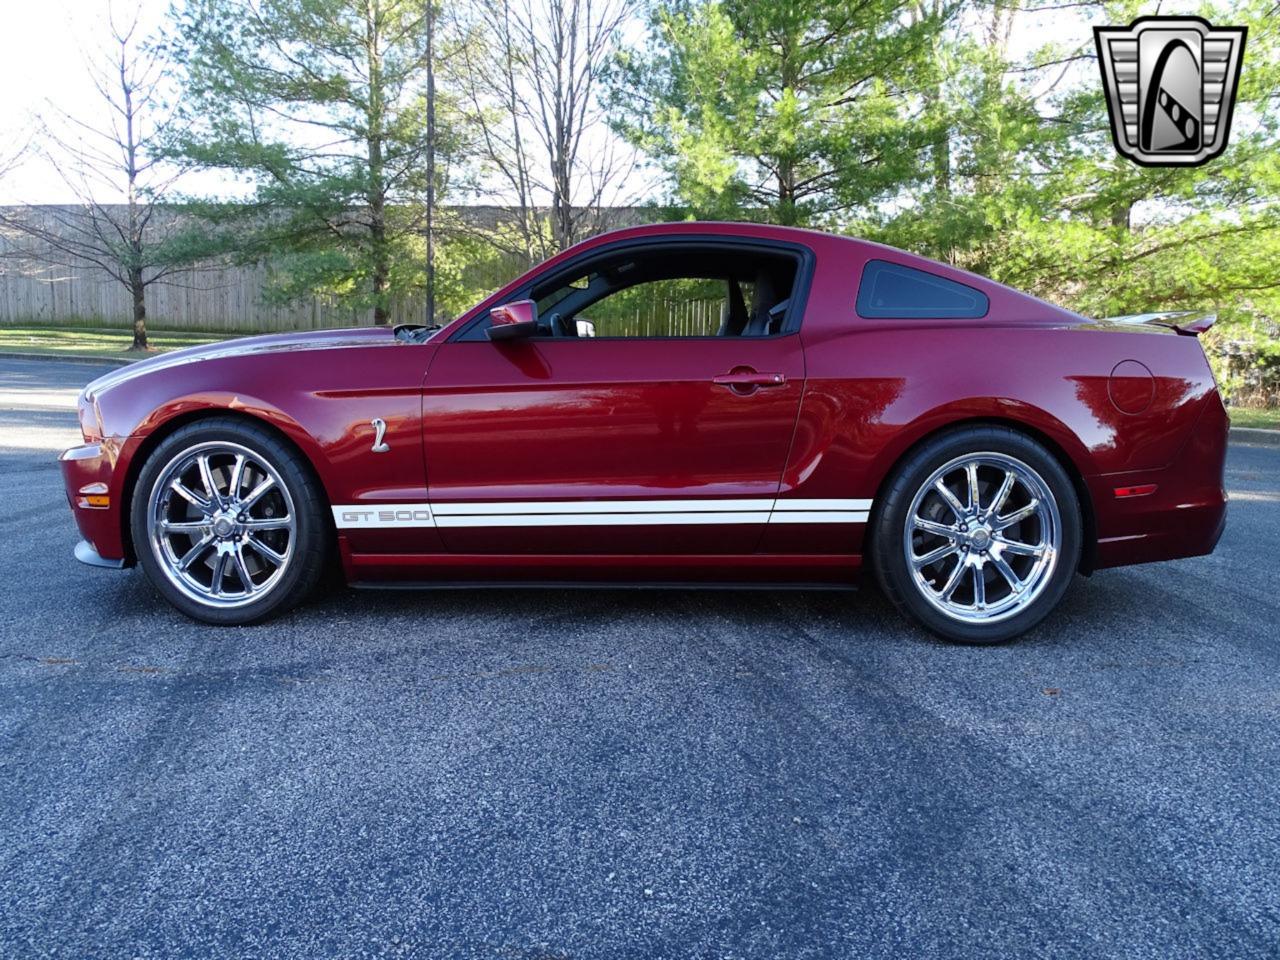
513, 321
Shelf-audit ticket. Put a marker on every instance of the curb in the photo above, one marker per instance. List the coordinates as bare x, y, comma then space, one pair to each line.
66, 358
1253, 436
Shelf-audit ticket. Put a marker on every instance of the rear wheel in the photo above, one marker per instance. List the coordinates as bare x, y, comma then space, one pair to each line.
228, 522
978, 535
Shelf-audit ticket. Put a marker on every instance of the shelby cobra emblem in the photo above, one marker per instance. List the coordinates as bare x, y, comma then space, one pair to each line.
1170, 84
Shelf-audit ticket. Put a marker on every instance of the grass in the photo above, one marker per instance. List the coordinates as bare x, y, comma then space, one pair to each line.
1255, 417
102, 342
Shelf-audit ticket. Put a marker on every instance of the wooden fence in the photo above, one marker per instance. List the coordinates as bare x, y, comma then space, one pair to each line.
661, 317
217, 300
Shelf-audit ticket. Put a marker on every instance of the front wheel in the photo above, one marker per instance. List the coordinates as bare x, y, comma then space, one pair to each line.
228, 522
978, 535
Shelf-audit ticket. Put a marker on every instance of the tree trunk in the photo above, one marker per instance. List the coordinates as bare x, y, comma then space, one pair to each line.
381, 267
380, 273
139, 291
561, 204
431, 162
136, 287
786, 165
786, 194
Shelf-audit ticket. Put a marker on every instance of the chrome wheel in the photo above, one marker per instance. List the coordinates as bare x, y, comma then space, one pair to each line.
221, 523
982, 538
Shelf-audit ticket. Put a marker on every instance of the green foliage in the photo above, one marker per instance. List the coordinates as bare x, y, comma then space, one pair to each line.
791, 111
1246, 362
468, 267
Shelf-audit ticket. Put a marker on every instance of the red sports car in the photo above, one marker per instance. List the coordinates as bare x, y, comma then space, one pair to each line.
680, 404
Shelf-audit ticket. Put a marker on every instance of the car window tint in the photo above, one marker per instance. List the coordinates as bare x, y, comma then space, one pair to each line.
890, 290
549, 301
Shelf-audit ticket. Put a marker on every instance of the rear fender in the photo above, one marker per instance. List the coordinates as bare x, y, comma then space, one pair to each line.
1004, 411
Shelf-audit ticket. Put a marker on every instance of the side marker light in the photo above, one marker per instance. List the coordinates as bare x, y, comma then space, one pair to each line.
1141, 490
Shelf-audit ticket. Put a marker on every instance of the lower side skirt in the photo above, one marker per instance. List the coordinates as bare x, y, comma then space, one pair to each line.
595, 585
670, 571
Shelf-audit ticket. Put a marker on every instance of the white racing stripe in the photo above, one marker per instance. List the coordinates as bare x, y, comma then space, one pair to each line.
601, 519
786, 503
799, 510
818, 516
602, 506
591, 513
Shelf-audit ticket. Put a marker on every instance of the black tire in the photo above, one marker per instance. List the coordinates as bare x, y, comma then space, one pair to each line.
309, 540
888, 529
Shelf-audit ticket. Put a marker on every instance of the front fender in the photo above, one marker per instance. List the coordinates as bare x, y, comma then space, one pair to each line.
322, 401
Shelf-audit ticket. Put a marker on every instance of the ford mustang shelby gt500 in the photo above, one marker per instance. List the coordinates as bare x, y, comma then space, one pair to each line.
678, 404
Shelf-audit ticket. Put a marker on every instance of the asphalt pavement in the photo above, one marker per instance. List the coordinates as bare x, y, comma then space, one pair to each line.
535, 774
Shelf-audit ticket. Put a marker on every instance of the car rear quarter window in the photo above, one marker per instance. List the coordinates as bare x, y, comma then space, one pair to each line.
892, 291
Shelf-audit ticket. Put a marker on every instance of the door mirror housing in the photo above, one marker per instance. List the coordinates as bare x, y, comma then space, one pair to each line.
513, 321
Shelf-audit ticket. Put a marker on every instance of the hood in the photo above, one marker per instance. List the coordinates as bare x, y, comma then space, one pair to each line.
242, 346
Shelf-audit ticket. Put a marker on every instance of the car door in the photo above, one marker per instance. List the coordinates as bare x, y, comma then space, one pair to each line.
609, 445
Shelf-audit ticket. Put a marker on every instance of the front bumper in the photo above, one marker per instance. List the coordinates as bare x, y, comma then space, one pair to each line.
87, 555
90, 471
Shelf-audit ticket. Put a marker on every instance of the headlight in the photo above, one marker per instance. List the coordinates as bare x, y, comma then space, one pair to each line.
90, 418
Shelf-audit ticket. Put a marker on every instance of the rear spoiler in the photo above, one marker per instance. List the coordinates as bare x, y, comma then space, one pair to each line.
1192, 323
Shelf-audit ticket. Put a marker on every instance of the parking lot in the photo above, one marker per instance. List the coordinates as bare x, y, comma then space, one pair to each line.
542, 774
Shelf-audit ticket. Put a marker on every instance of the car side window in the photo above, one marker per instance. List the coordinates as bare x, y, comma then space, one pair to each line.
893, 291
676, 290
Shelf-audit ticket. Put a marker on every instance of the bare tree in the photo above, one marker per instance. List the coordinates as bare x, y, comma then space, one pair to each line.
12, 160
532, 77
103, 160
430, 63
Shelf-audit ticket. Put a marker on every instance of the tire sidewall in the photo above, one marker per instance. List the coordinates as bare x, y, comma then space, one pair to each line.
311, 533
889, 558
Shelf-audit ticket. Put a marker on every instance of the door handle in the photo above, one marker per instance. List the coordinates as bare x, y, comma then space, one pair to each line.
749, 378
